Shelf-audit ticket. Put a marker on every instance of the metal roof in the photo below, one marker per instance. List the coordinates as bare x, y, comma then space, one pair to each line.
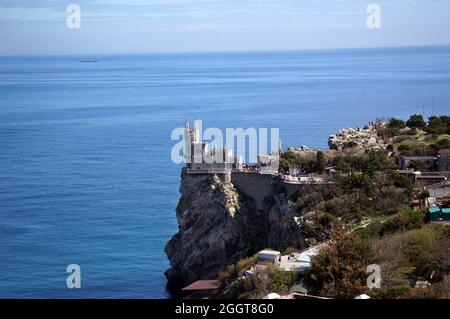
430, 158
431, 177
438, 185
202, 285
269, 252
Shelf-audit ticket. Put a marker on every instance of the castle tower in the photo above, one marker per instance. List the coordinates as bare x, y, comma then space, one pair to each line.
239, 163
187, 152
196, 133
228, 154
280, 150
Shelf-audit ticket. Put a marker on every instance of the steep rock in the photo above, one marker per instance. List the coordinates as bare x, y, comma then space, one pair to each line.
219, 225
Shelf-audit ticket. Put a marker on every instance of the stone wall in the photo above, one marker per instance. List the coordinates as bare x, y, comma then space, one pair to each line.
260, 188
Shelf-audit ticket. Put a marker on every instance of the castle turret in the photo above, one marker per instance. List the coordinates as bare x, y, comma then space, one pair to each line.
196, 133
187, 152
228, 154
239, 163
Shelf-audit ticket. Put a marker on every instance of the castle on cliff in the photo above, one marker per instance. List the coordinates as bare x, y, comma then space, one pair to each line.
203, 158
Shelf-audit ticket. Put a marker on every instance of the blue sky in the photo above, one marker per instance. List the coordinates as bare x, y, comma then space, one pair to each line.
153, 26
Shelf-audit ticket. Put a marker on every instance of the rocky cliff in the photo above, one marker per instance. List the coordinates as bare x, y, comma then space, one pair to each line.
361, 139
220, 224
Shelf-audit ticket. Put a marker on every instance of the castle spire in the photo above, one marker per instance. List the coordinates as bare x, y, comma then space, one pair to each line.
279, 147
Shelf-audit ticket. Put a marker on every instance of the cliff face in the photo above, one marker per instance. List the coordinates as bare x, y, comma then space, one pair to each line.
220, 224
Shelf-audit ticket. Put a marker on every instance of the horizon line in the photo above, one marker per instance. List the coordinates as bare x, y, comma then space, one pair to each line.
223, 52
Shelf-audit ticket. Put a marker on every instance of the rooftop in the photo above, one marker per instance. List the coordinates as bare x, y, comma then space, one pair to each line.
431, 177
434, 210
418, 157
438, 185
202, 285
269, 252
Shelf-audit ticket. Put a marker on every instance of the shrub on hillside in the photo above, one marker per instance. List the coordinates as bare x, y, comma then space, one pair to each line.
396, 123
404, 147
441, 144
419, 249
401, 181
416, 121
233, 271
339, 270
405, 220
417, 166
388, 199
345, 204
438, 125
318, 225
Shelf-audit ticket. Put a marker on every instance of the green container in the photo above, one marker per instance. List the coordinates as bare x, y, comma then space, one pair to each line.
446, 214
434, 217
435, 213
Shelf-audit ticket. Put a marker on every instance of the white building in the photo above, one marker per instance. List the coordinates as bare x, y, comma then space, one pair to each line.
300, 262
269, 255
272, 295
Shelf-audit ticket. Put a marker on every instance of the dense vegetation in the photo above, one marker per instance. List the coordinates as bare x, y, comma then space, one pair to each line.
366, 217
416, 137
340, 270
406, 256
399, 240
267, 278
305, 164
367, 186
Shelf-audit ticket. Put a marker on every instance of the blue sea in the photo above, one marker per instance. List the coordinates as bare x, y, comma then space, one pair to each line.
86, 175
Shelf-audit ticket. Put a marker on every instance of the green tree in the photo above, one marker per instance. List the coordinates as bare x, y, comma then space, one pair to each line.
443, 143
404, 147
401, 181
420, 250
291, 158
418, 166
358, 183
424, 194
392, 131
281, 281
376, 162
320, 162
350, 163
396, 123
407, 219
416, 121
438, 125
339, 271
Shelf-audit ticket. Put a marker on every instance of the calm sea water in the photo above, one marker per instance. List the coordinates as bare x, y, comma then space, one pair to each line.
85, 169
